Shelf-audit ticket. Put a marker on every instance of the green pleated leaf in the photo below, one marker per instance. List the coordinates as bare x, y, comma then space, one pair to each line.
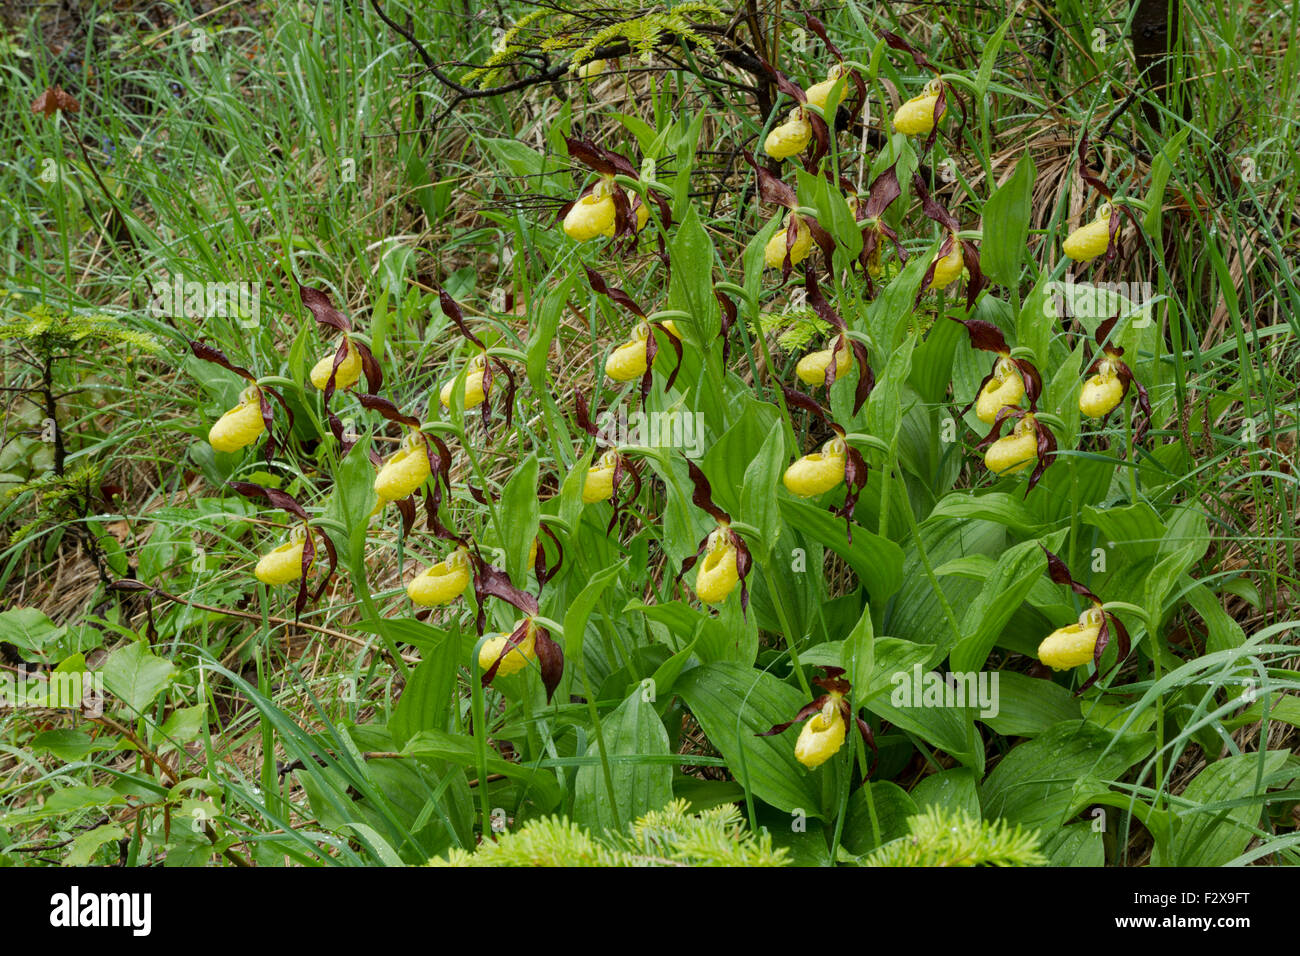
877, 561
426, 699
1006, 225
1226, 800
1075, 845
521, 514
1005, 509
1029, 706
953, 789
759, 505
892, 805
632, 730
1034, 784
1014, 574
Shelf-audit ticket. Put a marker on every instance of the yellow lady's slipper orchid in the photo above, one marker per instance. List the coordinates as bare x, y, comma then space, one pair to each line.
593, 215
348, 372
947, 269
916, 116
1088, 242
818, 92
516, 660
1070, 646
241, 426
441, 583
590, 69
406, 471
812, 367
819, 472
627, 362
1015, 452
790, 138
1006, 387
774, 251
718, 575
284, 564
599, 485
474, 393
823, 734
1101, 393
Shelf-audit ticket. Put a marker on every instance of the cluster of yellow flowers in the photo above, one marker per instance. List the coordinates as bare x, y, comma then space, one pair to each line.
606, 209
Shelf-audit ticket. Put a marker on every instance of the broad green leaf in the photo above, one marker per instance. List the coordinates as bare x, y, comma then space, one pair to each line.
85, 844
29, 630
426, 699
571, 504
684, 525
405, 631
727, 461
68, 799
682, 620
1225, 806
997, 506
1034, 784
633, 729
1029, 706
544, 326
520, 515
136, 676
885, 406
354, 494
1161, 168
877, 561
804, 839
66, 744
1075, 845
953, 789
859, 653
522, 160
183, 725
1285, 709
989, 58
932, 361
917, 613
1006, 224
1222, 632
575, 618
1129, 532
665, 677
892, 805
1013, 575
690, 288
758, 500
922, 703
1036, 324
889, 315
